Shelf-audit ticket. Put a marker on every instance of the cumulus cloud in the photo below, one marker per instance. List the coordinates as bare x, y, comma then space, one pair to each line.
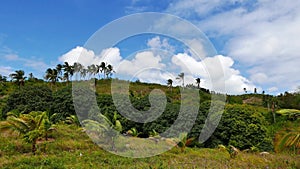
145, 66
262, 35
163, 44
87, 57
216, 72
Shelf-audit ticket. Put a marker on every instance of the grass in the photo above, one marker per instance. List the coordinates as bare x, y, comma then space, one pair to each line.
72, 148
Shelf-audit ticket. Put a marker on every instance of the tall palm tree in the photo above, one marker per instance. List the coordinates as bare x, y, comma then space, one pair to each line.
69, 70
98, 70
181, 78
103, 68
51, 76
77, 67
92, 70
170, 83
83, 72
59, 69
29, 126
198, 80
245, 89
109, 70
3, 79
18, 77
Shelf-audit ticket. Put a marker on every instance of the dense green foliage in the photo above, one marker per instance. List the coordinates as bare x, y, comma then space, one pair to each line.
28, 99
243, 127
245, 123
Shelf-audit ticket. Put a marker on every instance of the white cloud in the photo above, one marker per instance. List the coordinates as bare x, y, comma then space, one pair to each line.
273, 89
259, 78
163, 44
216, 72
142, 62
78, 54
87, 57
262, 36
5, 70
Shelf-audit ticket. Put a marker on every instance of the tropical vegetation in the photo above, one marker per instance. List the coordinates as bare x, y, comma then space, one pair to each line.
38, 119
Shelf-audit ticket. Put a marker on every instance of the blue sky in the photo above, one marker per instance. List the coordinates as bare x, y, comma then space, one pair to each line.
257, 41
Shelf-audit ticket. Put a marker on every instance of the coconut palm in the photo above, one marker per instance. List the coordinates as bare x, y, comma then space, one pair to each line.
3, 79
109, 70
59, 69
92, 70
68, 69
104, 126
77, 67
83, 72
291, 140
181, 78
103, 68
51, 76
198, 80
18, 77
29, 126
98, 70
170, 83
245, 90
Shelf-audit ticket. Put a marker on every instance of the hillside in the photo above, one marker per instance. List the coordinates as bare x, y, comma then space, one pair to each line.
252, 123
71, 148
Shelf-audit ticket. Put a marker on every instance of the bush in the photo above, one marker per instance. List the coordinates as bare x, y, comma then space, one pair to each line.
62, 104
28, 99
243, 127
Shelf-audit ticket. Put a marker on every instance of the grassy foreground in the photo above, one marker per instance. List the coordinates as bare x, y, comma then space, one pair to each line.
69, 147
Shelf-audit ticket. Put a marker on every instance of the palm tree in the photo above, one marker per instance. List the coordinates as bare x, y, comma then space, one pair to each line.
109, 70
103, 68
51, 76
98, 70
29, 126
3, 79
255, 90
107, 127
77, 67
65, 76
170, 83
198, 80
18, 77
68, 69
59, 69
83, 72
290, 139
92, 70
181, 78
